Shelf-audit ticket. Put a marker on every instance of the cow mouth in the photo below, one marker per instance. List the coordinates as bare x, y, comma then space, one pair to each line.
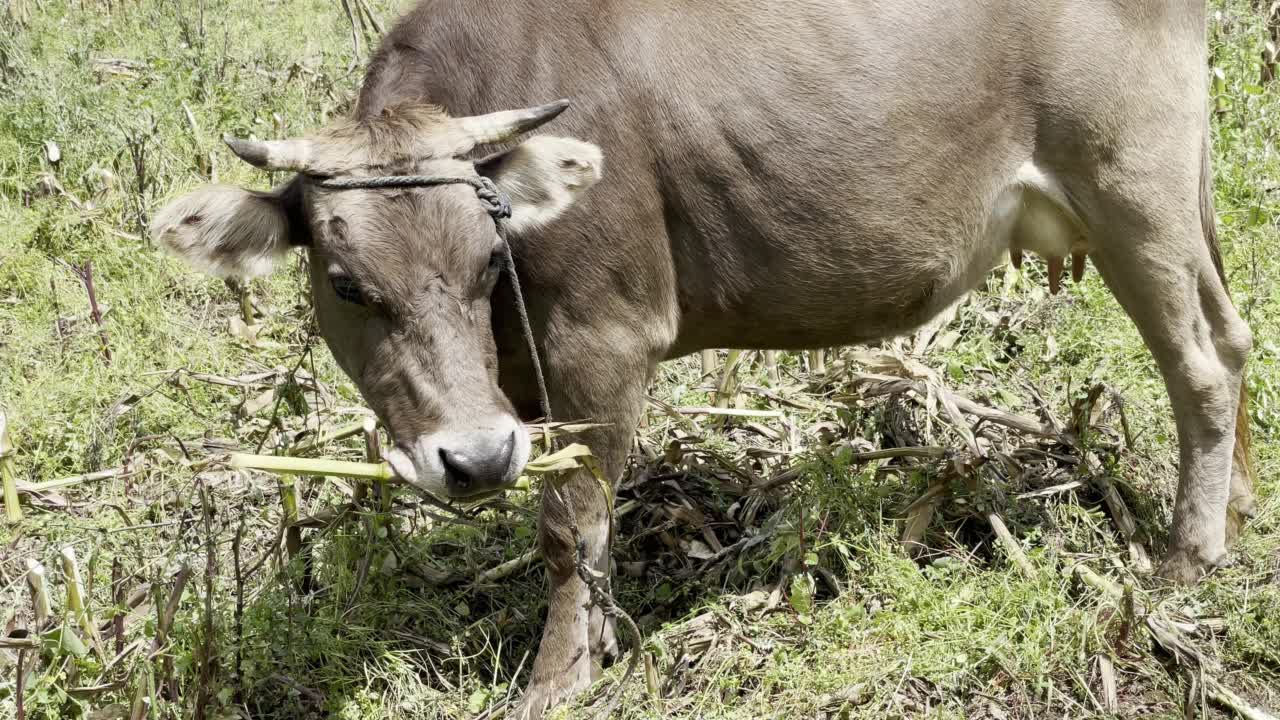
416, 465
408, 474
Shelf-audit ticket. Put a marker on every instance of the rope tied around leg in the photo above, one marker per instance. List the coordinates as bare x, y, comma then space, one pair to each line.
600, 597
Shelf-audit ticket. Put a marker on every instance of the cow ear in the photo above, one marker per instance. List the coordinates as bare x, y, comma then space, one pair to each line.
231, 232
543, 176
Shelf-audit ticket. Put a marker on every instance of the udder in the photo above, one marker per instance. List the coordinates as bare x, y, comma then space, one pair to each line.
1043, 222
1032, 215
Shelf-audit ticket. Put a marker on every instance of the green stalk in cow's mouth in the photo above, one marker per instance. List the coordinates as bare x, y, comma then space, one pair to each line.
285, 465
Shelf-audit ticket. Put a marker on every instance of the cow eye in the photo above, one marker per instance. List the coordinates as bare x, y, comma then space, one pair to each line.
346, 288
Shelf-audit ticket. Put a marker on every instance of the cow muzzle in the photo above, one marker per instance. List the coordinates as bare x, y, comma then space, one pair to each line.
464, 462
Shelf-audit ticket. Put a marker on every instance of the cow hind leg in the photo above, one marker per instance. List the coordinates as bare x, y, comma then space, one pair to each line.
1160, 265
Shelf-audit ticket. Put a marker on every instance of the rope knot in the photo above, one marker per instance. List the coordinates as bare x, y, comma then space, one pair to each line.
494, 200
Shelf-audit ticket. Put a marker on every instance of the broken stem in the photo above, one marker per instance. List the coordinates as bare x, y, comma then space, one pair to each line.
372, 453
708, 358
728, 386
86, 276
76, 599
39, 592
289, 502
12, 510
1124, 519
1107, 673
1010, 545
920, 515
361, 5
246, 305
28, 488
355, 31
771, 367
818, 362
19, 689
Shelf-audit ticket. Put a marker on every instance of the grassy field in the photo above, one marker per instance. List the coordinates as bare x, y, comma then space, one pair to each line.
761, 557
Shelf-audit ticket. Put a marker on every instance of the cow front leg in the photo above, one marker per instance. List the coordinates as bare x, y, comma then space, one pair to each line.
577, 639
564, 665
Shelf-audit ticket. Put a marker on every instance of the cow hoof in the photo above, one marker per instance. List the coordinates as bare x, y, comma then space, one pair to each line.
1187, 568
539, 698
546, 690
1180, 570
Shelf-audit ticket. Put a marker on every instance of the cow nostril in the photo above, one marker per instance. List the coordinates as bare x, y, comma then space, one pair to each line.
478, 463
454, 469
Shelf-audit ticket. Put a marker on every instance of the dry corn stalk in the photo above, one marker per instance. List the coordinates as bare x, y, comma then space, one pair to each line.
76, 600
39, 592
708, 363
12, 510
728, 386
771, 367
818, 362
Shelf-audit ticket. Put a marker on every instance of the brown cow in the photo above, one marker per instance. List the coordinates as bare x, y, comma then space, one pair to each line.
781, 175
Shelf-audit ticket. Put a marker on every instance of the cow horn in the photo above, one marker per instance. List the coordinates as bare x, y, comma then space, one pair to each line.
501, 126
290, 155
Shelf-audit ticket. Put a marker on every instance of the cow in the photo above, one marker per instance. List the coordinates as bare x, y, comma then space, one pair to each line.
740, 174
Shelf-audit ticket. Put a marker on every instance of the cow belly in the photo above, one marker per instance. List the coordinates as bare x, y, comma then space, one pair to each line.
871, 291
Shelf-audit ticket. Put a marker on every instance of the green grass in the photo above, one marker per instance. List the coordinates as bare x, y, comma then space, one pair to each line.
959, 633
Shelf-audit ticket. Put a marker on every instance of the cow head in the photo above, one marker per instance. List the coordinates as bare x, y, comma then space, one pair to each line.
400, 277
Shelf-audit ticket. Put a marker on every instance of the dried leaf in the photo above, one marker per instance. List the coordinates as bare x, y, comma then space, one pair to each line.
697, 550
258, 403
566, 458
